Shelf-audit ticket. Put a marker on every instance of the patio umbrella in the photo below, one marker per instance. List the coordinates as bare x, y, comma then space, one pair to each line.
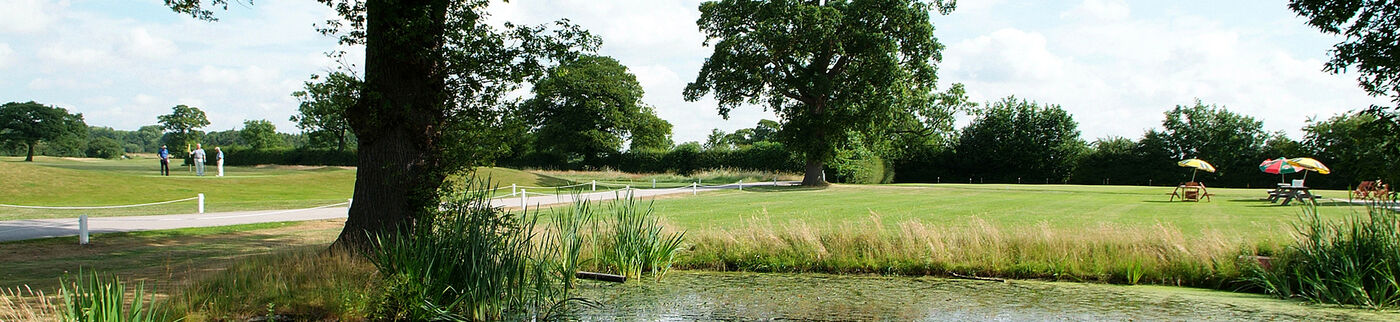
1278, 166
1196, 164
1309, 164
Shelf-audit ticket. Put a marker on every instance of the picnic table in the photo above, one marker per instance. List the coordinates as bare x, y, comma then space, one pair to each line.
1190, 191
1289, 192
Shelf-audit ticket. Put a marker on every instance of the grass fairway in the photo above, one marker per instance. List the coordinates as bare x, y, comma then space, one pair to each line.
1232, 212
53, 181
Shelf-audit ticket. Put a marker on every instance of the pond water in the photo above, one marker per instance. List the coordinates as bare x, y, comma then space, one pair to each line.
687, 295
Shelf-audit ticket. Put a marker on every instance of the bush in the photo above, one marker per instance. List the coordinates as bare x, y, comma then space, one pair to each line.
859, 166
685, 159
243, 157
1353, 262
104, 148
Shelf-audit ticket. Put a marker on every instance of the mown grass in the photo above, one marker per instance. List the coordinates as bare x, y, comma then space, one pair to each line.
612, 179
53, 181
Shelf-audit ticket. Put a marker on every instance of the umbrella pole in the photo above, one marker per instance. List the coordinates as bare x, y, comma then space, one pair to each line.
1193, 175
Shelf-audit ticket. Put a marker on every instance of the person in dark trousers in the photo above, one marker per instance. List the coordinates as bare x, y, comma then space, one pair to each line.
164, 161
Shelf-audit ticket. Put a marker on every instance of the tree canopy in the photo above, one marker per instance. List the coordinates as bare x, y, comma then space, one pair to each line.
322, 109
585, 108
1015, 138
183, 124
260, 134
824, 67
29, 123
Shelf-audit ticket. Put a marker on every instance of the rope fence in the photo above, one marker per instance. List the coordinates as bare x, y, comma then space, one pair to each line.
200, 197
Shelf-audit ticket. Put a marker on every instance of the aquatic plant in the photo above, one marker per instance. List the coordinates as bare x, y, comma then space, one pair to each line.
636, 243
472, 261
1354, 261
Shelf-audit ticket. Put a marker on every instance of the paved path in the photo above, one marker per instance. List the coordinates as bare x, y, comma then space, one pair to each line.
43, 228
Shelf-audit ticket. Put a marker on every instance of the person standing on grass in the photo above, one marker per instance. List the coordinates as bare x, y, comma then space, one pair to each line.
199, 156
219, 159
164, 161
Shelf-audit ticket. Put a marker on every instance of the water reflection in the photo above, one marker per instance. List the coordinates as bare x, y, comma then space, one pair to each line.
685, 296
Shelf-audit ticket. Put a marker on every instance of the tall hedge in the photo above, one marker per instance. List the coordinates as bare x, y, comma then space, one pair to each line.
242, 157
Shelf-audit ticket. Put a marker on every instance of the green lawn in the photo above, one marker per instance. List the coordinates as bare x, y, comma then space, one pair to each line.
1231, 212
94, 182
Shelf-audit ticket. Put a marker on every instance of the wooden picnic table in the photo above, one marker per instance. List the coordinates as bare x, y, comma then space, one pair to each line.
1290, 192
1190, 192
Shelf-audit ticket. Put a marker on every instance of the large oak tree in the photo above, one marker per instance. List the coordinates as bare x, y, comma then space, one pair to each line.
29, 123
437, 79
824, 67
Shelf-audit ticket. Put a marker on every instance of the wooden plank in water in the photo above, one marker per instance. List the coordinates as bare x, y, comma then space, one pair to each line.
601, 277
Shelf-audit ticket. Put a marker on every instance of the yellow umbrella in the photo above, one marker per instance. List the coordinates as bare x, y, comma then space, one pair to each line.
1309, 164
1196, 164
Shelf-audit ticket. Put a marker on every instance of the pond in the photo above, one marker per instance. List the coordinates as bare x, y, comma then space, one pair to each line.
688, 295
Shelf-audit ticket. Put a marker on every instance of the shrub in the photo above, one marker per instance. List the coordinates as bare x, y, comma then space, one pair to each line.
104, 148
1355, 261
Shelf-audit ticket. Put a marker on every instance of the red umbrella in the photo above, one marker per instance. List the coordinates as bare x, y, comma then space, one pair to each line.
1278, 166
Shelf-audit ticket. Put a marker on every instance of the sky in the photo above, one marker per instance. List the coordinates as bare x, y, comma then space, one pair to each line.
1115, 65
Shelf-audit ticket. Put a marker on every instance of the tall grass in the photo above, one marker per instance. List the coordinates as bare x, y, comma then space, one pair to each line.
309, 283
635, 242
1355, 261
1160, 254
472, 262
25, 304
92, 297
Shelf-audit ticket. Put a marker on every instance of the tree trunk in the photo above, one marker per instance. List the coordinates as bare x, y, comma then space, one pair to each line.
813, 176
399, 121
30, 157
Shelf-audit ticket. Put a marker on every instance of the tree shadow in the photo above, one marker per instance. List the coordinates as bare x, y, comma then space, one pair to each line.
782, 188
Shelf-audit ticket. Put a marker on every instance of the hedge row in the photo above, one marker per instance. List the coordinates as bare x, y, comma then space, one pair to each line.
683, 160
241, 157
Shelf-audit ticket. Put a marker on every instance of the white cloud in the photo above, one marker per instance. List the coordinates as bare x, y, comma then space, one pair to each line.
140, 43
28, 16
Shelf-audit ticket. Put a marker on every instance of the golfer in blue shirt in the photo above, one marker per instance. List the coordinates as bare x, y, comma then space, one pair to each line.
164, 161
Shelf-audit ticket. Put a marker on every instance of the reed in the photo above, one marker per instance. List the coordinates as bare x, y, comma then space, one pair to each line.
25, 304
1160, 254
635, 242
1354, 261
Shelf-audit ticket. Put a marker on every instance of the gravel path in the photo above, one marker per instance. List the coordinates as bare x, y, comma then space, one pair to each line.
44, 228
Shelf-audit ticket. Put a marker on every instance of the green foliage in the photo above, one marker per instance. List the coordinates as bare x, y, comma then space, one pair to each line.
585, 107
472, 261
858, 164
260, 134
1352, 145
1370, 29
91, 297
1355, 261
1232, 142
30, 122
1017, 139
182, 125
284, 156
636, 243
650, 132
825, 68
323, 107
105, 148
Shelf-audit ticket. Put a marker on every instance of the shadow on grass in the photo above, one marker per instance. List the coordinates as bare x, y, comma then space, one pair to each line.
782, 188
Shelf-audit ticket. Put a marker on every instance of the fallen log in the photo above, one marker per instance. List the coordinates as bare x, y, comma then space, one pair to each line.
601, 277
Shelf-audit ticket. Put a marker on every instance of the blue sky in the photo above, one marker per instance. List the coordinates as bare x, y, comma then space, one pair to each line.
1115, 65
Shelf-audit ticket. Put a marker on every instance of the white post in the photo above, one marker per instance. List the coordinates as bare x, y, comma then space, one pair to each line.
741, 185
349, 202
82, 230
653, 183
775, 181
512, 189
694, 188
201, 203
593, 184
522, 199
